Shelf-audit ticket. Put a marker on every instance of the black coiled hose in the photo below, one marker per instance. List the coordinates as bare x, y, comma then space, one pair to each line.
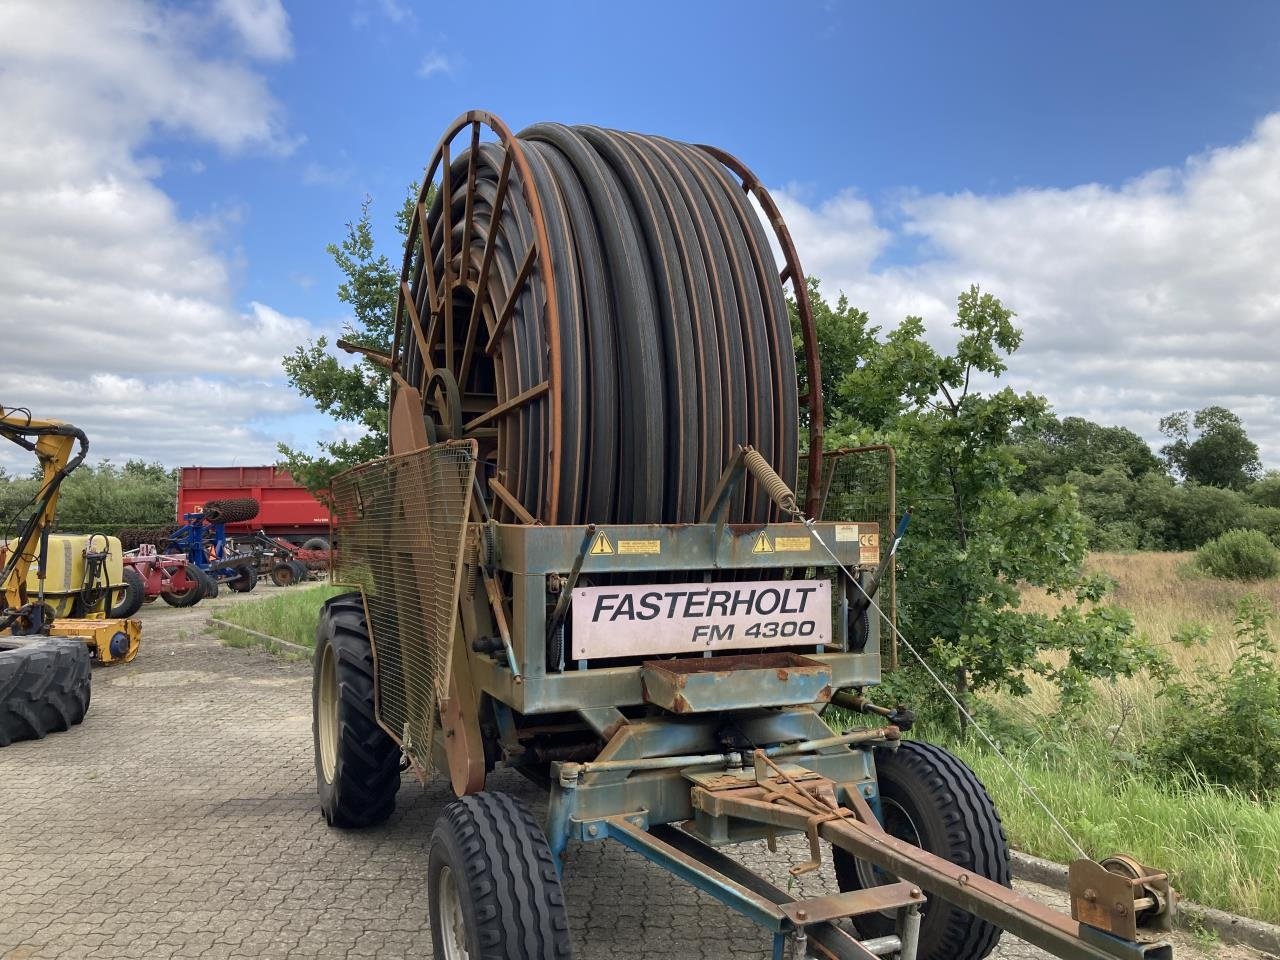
647, 336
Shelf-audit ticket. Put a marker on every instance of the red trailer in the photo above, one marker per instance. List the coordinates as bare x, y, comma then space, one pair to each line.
287, 509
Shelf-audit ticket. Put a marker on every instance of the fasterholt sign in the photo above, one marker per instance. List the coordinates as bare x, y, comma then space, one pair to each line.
693, 617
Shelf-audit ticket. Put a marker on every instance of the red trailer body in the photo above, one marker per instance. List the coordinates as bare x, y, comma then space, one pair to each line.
287, 508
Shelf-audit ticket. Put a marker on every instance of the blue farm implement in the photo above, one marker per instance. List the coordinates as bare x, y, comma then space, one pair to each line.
202, 539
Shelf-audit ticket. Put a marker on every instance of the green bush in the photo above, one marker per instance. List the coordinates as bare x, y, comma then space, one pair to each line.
1240, 555
1266, 519
1225, 726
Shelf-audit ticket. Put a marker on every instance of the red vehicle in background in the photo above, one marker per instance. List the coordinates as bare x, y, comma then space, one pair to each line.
287, 510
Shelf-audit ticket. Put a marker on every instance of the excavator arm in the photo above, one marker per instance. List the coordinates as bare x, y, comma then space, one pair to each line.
55, 447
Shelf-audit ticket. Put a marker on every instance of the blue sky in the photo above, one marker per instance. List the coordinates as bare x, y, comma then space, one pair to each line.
914, 148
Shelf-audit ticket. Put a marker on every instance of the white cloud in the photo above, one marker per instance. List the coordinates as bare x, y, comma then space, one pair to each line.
263, 25
395, 11
1157, 295
315, 174
436, 62
116, 313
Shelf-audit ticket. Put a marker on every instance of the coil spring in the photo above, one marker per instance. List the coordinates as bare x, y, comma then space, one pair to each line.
473, 569
773, 484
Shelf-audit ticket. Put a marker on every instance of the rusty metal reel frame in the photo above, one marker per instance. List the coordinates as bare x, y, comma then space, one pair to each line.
425, 301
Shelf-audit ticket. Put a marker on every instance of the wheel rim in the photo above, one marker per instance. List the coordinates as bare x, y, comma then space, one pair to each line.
327, 715
453, 928
897, 823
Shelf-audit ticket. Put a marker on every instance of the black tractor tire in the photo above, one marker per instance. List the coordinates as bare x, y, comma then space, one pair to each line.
134, 593
492, 884
357, 763
300, 568
316, 543
284, 574
195, 592
211, 586
930, 798
245, 581
44, 687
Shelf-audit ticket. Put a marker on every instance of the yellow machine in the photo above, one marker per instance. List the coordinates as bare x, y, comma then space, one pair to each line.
53, 585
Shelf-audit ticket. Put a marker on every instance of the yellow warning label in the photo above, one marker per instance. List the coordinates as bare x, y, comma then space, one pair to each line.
601, 547
793, 543
762, 544
640, 546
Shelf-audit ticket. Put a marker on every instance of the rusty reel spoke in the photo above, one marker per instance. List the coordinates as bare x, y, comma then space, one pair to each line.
603, 313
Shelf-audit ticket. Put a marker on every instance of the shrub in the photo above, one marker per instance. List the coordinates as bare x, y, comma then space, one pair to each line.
1240, 555
1225, 725
1266, 519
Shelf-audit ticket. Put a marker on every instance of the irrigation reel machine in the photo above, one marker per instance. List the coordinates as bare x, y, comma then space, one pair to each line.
594, 555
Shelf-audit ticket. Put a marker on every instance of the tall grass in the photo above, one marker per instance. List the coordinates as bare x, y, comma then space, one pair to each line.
1221, 848
1169, 598
290, 615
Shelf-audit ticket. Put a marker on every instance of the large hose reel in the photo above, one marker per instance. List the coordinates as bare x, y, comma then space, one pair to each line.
604, 314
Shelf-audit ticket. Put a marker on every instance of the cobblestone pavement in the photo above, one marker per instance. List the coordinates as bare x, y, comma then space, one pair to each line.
180, 821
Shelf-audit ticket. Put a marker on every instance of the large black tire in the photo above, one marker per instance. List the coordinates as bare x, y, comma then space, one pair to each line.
284, 574
357, 763
195, 592
135, 591
301, 570
211, 587
44, 687
316, 543
245, 581
930, 798
492, 884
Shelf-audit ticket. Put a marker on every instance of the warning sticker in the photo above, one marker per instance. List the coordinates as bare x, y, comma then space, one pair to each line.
640, 546
869, 548
793, 543
762, 544
601, 546
846, 533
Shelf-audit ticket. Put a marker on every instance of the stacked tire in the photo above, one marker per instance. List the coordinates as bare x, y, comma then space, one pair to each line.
44, 687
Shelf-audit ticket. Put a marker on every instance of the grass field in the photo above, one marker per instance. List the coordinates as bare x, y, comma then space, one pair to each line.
1221, 848
1167, 596
289, 615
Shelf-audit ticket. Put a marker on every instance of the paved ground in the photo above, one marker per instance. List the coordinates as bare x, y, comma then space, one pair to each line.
180, 821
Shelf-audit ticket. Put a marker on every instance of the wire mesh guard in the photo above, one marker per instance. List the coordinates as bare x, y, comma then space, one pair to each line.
399, 525
860, 484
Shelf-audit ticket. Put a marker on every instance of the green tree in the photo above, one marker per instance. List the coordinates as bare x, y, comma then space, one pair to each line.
1056, 448
973, 542
845, 335
1221, 455
351, 392
1266, 492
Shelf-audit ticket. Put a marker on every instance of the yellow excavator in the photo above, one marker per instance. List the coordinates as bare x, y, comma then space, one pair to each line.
55, 594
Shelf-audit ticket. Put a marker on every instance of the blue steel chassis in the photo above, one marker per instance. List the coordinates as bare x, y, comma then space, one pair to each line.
785, 771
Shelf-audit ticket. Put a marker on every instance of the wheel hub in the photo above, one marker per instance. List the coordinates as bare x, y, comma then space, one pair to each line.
453, 929
327, 715
897, 823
